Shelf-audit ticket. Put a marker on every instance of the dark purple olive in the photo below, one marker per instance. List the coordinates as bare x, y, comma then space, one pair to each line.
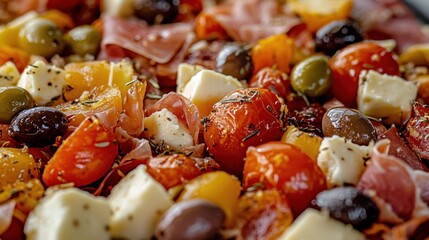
337, 35
349, 124
156, 11
349, 206
195, 219
235, 60
38, 127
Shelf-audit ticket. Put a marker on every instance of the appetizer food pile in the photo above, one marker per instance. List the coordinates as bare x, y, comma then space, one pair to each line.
190, 119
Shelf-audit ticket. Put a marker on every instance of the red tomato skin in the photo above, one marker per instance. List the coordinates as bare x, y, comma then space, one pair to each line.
286, 168
84, 157
272, 79
63, 5
347, 64
176, 169
234, 125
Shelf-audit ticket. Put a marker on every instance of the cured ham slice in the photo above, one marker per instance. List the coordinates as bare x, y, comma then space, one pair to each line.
251, 20
394, 186
384, 19
158, 43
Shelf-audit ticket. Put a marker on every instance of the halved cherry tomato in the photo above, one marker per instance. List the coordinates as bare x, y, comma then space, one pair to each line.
84, 157
286, 168
243, 118
176, 169
206, 27
348, 63
263, 214
272, 79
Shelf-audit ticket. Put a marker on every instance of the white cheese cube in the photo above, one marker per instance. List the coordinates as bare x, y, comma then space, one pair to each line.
137, 202
207, 88
385, 96
164, 126
69, 214
9, 74
119, 8
341, 160
185, 73
44, 82
312, 225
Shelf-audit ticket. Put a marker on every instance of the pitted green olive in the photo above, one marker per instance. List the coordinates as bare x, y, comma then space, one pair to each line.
312, 76
83, 40
41, 37
12, 101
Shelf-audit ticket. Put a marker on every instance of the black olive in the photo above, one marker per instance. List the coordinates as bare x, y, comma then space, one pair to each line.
349, 206
235, 60
337, 35
192, 219
38, 127
156, 11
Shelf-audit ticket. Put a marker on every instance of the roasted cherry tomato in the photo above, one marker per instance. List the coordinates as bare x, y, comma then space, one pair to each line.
273, 79
286, 168
176, 169
418, 130
263, 214
348, 63
207, 27
84, 157
63, 5
243, 118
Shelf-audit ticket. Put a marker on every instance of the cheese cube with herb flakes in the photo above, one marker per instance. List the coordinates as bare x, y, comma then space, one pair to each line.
9, 74
44, 82
69, 214
385, 96
137, 202
164, 127
312, 224
342, 161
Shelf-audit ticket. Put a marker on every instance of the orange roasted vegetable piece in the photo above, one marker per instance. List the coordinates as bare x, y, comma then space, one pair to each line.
16, 55
64, 21
84, 157
207, 27
274, 51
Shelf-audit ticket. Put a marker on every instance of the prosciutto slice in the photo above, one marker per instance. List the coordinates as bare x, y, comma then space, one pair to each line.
395, 186
158, 43
251, 20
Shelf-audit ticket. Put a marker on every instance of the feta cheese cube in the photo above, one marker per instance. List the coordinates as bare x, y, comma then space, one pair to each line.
208, 87
44, 82
385, 96
137, 202
185, 73
164, 126
312, 224
341, 160
69, 214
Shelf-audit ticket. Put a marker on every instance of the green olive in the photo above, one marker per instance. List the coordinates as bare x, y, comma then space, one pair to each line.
312, 76
41, 37
13, 100
83, 40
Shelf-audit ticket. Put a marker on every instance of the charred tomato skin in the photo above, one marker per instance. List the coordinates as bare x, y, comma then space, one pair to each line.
286, 168
243, 118
347, 64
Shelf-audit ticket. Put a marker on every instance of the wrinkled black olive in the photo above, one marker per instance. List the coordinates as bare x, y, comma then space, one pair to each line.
38, 127
235, 60
195, 219
156, 11
349, 206
337, 35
